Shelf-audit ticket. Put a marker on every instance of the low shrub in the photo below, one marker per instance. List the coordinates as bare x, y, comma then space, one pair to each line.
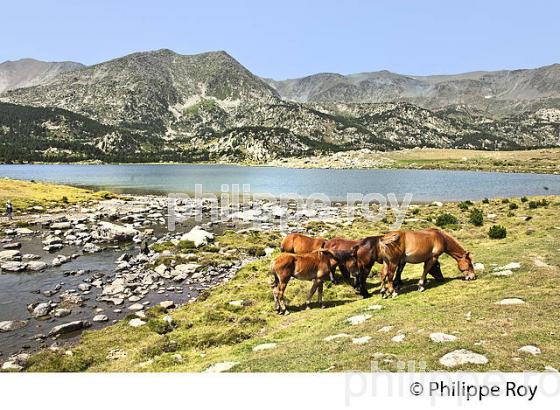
476, 217
524, 199
446, 220
513, 206
497, 232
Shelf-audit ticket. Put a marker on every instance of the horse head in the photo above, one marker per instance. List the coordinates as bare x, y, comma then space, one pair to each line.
339, 257
466, 266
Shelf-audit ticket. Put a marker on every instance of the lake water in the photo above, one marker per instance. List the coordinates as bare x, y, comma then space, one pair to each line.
425, 185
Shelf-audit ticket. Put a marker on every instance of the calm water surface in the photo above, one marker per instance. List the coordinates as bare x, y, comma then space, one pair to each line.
425, 185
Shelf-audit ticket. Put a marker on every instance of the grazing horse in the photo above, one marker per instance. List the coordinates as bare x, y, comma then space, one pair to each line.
342, 244
299, 243
315, 266
424, 246
368, 251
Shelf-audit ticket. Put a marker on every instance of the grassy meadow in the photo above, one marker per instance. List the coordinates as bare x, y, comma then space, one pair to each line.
28, 194
213, 330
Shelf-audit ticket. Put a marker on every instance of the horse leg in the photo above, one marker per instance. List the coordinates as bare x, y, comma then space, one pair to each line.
363, 284
345, 273
388, 280
427, 267
320, 295
436, 271
311, 292
398, 278
281, 290
331, 275
275, 294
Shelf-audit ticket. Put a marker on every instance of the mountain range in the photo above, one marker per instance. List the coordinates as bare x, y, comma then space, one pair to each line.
163, 106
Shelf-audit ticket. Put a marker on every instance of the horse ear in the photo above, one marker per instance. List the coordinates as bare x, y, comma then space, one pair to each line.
468, 254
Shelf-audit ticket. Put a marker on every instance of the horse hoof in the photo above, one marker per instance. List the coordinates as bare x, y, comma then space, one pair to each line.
421, 289
323, 306
286, 313
307, 307
394, 295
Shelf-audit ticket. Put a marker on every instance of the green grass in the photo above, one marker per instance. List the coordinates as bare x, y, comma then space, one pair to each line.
27, 194
211, 330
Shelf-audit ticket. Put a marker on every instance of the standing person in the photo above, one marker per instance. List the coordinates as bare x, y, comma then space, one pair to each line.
9, 209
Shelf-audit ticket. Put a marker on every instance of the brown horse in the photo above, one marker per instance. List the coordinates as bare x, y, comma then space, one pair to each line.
342, 244
315, 266
424, 246
299, 243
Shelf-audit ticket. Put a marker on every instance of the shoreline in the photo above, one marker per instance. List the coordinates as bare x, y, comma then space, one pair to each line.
437, 159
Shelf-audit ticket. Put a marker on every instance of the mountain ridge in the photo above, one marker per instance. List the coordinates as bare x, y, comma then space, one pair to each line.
208, 106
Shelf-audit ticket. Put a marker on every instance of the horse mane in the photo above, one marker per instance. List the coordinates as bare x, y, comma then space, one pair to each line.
452, 244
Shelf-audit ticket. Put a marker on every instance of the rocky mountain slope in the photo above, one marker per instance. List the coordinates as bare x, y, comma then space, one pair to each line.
28, 72
161, 105
497, 93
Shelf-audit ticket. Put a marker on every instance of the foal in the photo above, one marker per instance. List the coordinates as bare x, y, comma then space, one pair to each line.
314, 266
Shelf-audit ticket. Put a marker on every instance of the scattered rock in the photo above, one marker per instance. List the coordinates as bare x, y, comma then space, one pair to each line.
167, 304
10, 325
461, 357
509, 266
107, 231
221, 367
440, 337
478, 267
506, 272
61, 225
136, 322
264, 346
84, 287
91, 248
386, 329
100, 318
361, 340
375, 307
335, 337
61, 312
198, 236
356, 320
136, 307
530, 349
9, 255
398, 338
511, 301
69, 327
14, 266
36, 266
41, 310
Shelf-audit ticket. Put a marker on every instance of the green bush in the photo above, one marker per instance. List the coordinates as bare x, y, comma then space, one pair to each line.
65, 199
485, 201
497, 232
524, 199
446, 220
505, 201
463, 206
513, 206
537, 204
476, 217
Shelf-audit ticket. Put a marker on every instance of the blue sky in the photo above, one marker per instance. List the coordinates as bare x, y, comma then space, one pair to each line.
286, 39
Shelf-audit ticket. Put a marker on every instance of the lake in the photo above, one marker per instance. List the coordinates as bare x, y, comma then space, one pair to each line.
425, 185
